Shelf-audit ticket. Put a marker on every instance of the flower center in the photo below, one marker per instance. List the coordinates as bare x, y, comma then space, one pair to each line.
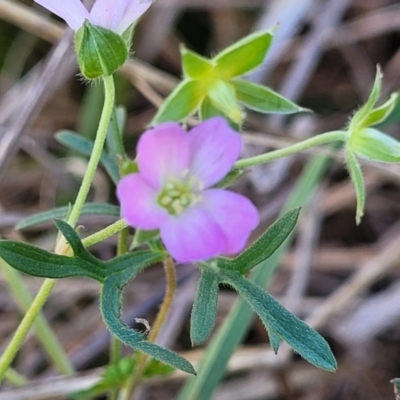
180, 193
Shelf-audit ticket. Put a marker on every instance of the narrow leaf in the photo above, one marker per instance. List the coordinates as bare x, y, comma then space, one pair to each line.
243, 56
204, 310
111, 311
37, 262
357, 179
74, 141
60, 212
304, 340
274, 339
181, 103
264, 246
263, 99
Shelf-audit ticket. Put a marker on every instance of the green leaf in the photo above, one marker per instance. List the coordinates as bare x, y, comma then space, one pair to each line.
100, 51
262, 99
264, 246
379, 115
195, 66
115, 144
76, 142
274, 339
358, 183
111, 312
181, 103
204, 310
304, 340
243, 56
61, 212
37, 262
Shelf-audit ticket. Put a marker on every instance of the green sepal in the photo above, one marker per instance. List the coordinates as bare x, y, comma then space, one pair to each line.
195, 66
375, 145
100, 51
74, 141
363, 113
37, 262
60, 212
357, 179
207, 111
181, 103
262, 99
230, 178
243, 56
204, 311
110, 306
304, 340
223, 97
264, 246
143, 236
381, 113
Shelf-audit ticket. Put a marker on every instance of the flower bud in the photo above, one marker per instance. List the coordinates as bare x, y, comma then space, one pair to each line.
375, 145
100, 51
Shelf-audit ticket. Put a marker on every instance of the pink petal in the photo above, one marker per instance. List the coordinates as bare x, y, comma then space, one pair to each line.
192, 236
139, 205
235, 214
162, 152
133, 12
108, 13
73, 12
216, 147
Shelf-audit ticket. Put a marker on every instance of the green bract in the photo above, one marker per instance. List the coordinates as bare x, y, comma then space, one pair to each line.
365, 141
212, 87
100, 51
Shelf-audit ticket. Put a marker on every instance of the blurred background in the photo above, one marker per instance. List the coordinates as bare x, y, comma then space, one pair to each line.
341, 278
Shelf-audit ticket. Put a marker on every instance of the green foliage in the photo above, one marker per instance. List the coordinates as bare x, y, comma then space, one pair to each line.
264, 246
204, 310
194, 65
304, 340
76, 142
100, 51
60, 212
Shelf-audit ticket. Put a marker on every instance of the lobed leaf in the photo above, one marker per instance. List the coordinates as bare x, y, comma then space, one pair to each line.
204, 310
264, 246
304, 340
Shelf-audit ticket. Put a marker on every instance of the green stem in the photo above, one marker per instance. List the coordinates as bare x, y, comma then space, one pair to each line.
105, 233
101, 134
15, 379
323, 138
43, 330
25, 325
61, 245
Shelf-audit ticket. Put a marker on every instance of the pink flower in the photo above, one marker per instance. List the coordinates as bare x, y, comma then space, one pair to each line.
173, 191
116, 15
